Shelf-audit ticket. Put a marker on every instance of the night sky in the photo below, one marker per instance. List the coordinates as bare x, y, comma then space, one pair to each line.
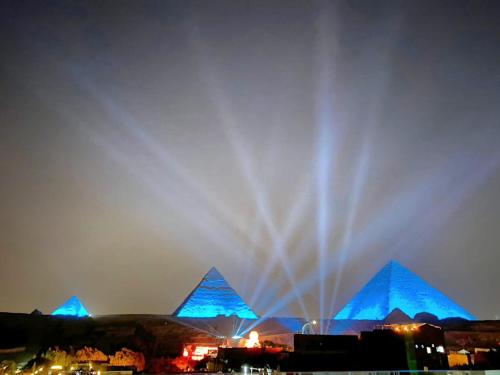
295, 145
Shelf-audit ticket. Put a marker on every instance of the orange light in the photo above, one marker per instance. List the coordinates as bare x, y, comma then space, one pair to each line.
254, 336
200, 352
253, 340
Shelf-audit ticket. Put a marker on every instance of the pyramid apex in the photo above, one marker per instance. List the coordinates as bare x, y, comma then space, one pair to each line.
213, 274
395, 265
213, 270
394, 262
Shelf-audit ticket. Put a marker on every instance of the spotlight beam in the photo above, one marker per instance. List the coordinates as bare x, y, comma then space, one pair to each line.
243, 157
326, 147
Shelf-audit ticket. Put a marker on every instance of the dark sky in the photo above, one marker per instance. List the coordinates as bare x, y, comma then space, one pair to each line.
295, 145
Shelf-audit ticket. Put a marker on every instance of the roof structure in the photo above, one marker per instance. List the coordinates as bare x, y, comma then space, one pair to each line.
395, 286
72, 307
213, 297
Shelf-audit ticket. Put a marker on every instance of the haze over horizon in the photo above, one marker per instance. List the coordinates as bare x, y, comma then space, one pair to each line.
297, 146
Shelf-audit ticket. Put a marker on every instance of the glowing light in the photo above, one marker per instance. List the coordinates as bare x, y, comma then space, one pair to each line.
254, 336
200, 352
212, 297
56, 367
253, 340
72, 307
394, 286
326, 157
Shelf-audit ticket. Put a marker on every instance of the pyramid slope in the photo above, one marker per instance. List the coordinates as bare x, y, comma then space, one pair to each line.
212, 297
394, 286
72, 307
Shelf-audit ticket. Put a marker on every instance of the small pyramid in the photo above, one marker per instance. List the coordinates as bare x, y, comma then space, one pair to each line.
395, 286
397, 316
72, 307
212, 297
36, 312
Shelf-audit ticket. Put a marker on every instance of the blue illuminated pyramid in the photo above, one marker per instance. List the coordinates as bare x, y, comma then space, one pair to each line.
212, 297
395, 286
72, 307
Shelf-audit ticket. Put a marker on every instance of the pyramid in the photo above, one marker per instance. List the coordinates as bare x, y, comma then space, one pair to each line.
72, 307
395, 286
212, 297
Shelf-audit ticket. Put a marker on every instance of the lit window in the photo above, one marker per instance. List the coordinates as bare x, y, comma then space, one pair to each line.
429, 350
440, 349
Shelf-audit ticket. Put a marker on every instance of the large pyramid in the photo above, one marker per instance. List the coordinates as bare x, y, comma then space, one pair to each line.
395, 286
212, 297
72, 307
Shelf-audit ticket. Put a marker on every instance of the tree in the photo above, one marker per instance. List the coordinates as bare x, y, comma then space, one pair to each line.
88, 354
127, 357
59, 357
7, 368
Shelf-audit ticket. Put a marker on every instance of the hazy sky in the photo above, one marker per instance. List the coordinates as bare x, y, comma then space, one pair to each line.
295, 145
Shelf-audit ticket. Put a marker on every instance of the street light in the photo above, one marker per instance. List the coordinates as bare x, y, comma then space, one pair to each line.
308, 325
